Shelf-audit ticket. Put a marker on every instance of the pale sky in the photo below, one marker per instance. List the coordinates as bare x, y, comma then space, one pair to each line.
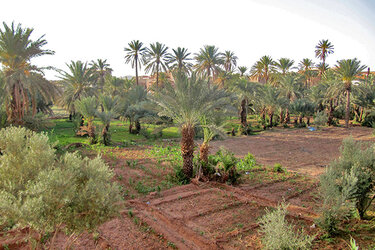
87, 30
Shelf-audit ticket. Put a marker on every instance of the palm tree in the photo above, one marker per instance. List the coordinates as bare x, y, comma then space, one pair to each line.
156, 59
179, 60
263, 68
77, 83
348, 70
242, 70
101, 70
87, 107
289, 89
272, 100
135, 55
322, 69
22, 80
322, 50
209, 60
190, 99
284, 65
305, 67
230, 60
111, 109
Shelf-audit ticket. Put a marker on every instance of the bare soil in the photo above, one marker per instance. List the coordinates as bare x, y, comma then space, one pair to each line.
299, 150
213, 215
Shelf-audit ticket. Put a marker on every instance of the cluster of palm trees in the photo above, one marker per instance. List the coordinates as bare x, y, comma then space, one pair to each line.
202, 94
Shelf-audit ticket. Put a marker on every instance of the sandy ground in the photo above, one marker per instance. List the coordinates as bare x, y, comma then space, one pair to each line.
297, 149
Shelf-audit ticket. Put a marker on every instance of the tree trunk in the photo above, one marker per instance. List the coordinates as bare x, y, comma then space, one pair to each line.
130, 127
203, 150
243, 113
347, 108
308, 121
137, 126
136, 71
300, 119
157, 75
330, 116
287, 116
187, 149
281, 116
271, 118
106, 139
361, 115
91, 132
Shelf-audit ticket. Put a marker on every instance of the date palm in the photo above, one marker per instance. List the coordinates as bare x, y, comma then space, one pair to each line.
305, 67
156, 59
289, 90
77, 83
22, 80
101, 70
230, 60
186, 103
87, 107
322, 50
179, 60
242, 70
284, 65
209, 60
111, 109
135, 54
263, 68
347, 71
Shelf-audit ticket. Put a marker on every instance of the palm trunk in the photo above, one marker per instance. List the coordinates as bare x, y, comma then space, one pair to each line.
157, 75
187, 149
287, 116
347, 108
281, 116
106, 139
243, 113
136, 71
361, 115
203, 150
91, 132
308, 121
271, 118
330, 117
300, 119
130, 127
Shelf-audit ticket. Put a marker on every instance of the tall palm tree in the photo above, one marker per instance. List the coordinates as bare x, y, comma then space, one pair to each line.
22, 80
156, 59
242, 70
77, 83
230, 60
179, 60
348, 70
190, 99
322, 50
284, 65
101, 70
209, 60
135, 55
263, 68
289, 89
305, 68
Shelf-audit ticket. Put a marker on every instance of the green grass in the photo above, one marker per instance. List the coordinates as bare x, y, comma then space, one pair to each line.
63, 132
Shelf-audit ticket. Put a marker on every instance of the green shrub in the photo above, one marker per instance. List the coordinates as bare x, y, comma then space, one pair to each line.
43, 192
347, 184
279, 234
225, 164
320, 118
279, 168
247, 163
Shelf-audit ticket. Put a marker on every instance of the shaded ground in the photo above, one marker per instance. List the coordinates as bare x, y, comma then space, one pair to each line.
299, 150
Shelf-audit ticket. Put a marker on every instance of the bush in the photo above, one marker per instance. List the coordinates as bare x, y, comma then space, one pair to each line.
247, 163
320, 118
43, 192
278, 168
347, 184
225, 165
279, 234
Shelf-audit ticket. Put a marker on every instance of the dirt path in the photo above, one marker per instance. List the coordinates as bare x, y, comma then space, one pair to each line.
297, 149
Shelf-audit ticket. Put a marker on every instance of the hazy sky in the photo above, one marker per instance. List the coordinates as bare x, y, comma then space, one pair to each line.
87, 30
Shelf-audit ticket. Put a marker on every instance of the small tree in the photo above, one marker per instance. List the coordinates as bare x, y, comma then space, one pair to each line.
186, 102
87, 107
110, 110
